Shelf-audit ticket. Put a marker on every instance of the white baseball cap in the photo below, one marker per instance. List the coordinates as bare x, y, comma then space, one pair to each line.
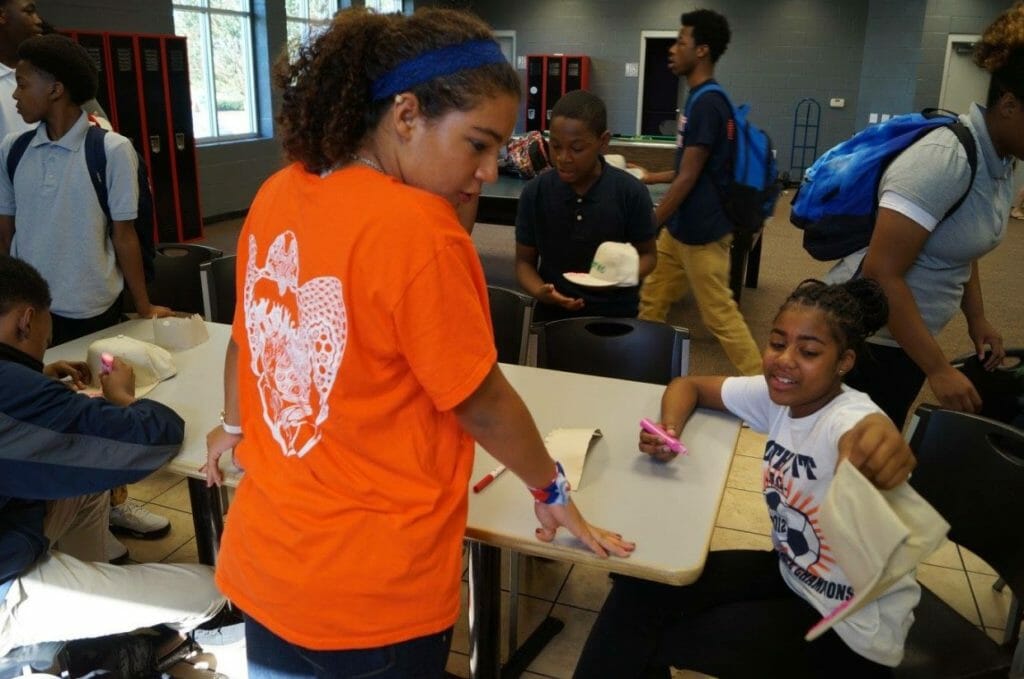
615, 264
151, 364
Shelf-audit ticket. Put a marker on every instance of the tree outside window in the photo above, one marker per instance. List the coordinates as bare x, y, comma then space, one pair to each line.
220, 61
385, 6
306, 20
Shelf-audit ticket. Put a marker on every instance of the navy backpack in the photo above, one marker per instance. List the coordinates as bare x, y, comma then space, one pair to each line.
749, 196
96, 161
838, 198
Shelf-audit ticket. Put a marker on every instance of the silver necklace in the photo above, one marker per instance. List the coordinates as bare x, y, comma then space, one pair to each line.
368, 162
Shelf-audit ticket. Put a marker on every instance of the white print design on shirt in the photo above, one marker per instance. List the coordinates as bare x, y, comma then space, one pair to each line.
297, 335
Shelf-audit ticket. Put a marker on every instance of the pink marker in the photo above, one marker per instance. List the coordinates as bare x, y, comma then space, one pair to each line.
674, 444
106, 363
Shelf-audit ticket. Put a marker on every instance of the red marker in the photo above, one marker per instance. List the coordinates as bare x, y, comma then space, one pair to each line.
671, 441
106, 363
486, 481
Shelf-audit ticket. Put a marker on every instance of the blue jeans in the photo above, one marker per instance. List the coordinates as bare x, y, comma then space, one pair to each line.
271, 657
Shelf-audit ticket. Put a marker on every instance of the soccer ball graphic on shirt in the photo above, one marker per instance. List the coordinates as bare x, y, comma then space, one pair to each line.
795, 536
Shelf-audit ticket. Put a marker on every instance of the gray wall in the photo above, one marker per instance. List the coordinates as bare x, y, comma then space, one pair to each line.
883, 56
880, 56
780, 53
943, 17
891, 57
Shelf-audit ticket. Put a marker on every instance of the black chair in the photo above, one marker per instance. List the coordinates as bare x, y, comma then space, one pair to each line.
176, 281
1002, 398
971, 469
217, 278
1002, 389
625, 348
511, 315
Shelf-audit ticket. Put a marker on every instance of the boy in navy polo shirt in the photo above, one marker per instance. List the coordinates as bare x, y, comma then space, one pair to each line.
565, 214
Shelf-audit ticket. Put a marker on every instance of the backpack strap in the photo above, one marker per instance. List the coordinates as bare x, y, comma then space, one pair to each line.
967, 140
96, 162
16, 151
712, 87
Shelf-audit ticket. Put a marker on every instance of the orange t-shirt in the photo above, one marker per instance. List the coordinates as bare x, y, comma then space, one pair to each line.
362, 321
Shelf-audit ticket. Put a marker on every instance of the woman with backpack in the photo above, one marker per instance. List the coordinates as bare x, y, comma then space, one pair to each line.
927, 263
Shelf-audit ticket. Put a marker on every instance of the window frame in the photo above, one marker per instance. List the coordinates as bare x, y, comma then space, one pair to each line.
205, 12
309, 22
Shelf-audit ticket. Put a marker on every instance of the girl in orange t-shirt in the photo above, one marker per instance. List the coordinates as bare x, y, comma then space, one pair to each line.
362, 365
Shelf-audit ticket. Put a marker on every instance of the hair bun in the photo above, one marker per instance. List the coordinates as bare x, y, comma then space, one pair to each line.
872, 301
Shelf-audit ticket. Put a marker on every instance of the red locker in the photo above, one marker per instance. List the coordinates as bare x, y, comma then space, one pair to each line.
548, 77
144, 88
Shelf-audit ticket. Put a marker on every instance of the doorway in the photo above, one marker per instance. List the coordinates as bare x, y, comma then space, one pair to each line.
657, 102
963, 82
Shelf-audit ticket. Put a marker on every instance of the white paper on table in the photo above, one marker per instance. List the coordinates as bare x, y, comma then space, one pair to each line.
570, 446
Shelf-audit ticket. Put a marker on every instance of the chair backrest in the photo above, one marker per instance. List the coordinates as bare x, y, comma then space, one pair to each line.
176, 283
626, 348
217, 278
971, 469
511, 315
1002, 389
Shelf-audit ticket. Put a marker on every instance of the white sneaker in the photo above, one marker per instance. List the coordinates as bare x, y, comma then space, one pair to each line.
113, 549
131, 518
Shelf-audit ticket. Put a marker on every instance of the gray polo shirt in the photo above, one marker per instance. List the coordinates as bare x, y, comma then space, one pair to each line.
60, 228
932, 175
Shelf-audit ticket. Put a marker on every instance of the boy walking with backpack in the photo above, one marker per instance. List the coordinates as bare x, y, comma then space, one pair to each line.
51, 216
693, 251
49, 212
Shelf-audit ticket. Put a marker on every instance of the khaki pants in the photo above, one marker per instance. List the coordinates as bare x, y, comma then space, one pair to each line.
705, 270
73, 594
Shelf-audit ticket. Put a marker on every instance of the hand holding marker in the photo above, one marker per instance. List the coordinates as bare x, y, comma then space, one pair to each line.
106, 363
674, 444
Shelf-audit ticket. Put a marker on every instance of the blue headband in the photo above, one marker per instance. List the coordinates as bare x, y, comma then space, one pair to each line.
434, 64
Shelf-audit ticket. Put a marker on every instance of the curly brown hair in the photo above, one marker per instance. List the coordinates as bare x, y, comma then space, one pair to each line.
327, 108
1001, 52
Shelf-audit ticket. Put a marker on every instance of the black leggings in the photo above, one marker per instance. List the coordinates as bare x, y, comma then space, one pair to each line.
740, 619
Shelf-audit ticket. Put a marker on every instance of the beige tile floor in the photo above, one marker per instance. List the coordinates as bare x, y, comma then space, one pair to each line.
575, 593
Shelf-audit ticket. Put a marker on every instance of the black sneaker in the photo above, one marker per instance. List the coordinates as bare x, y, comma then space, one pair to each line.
124, 656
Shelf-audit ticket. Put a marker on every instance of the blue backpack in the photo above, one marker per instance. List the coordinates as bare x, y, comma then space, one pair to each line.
838, 199
96, 162
749, 196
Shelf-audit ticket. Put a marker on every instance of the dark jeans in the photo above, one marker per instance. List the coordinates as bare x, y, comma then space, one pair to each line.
67, 329
890, 377
271, 657
738, 620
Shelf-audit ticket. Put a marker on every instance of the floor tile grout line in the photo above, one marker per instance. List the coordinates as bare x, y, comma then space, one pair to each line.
970, 585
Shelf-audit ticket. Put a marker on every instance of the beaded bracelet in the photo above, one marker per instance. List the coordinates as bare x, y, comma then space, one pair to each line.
556, 492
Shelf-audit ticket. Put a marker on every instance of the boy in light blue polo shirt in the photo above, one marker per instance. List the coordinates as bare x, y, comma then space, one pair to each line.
50, 215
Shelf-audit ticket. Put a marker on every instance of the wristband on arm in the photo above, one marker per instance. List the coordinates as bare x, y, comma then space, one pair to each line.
556, 492
233, 429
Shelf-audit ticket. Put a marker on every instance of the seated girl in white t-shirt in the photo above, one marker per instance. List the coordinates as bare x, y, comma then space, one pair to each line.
748, 613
